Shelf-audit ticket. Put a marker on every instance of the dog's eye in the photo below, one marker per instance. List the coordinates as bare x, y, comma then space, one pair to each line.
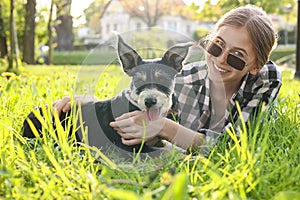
140, 77
140, 80
164, 79
157, 74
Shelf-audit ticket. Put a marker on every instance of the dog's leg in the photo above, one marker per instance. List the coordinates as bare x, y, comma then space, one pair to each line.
27, 131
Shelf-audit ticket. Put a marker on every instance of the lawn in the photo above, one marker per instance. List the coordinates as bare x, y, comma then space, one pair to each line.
264, 164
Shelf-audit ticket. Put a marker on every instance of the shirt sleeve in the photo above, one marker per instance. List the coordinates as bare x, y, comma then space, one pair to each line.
259, 89
190, 96
255, 90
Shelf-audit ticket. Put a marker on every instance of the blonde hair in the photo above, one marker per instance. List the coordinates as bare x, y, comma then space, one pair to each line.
259, 27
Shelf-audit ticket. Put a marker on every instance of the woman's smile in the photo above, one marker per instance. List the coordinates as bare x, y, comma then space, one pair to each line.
220, 69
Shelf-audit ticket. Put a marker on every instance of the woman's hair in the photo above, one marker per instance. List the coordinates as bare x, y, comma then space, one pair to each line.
259, 27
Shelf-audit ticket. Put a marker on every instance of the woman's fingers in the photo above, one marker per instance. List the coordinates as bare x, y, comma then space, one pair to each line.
131, 128
123, 123
127, 136
132, 141
127, 131
127, 115
67, 107
63, 105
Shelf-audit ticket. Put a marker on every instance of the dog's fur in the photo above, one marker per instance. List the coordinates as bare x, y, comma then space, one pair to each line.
151, 90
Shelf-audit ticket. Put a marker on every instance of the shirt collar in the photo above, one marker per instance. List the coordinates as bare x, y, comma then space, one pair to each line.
192, 73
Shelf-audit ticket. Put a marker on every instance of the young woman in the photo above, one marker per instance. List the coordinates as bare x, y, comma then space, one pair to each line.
237, 71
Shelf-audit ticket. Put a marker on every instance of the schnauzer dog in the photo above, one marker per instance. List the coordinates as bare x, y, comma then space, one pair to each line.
151, 90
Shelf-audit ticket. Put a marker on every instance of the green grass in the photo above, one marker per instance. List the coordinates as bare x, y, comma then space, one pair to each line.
85, 57
105, 57
282, 51
264, 164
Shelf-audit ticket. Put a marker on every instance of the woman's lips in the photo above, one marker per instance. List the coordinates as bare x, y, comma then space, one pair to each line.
219, 69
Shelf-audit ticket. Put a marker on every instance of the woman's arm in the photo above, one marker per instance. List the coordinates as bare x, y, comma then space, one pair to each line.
181, 136
264, 88
133, 127
64, 104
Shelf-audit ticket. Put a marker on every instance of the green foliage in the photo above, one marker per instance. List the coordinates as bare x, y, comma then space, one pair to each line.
19, 18
282, 52
291, 36
156, 39
200, 33
95, 9
110, 57
41, 30
262, 164
213, 10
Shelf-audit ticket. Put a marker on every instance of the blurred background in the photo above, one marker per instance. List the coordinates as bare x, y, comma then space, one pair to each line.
66, 31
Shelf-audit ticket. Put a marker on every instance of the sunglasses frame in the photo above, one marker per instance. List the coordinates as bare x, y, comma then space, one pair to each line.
215, 50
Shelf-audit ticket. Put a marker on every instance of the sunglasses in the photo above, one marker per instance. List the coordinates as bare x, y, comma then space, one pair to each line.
215, 50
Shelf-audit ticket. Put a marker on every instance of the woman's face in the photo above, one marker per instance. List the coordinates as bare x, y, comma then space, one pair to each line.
234, 40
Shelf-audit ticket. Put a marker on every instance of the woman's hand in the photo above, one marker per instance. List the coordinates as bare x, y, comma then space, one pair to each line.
133, 127
64, 104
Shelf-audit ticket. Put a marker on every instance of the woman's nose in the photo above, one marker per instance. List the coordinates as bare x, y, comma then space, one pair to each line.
223, 57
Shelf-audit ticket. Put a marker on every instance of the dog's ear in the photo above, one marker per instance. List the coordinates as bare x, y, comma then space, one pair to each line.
128, 57
174, 56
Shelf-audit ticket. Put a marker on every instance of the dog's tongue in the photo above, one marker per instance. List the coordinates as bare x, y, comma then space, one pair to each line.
152, 113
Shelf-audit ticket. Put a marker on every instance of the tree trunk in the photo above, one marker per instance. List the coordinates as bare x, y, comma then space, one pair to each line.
3, 43
297, 72
50, 52
14, 48
64, 26
29, 33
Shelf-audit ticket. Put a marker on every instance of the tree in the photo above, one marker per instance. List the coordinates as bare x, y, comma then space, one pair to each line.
64, 26
150, 11
93, 14
297, 72
3, 43
213, 9
29, 32
50, 41
14, 48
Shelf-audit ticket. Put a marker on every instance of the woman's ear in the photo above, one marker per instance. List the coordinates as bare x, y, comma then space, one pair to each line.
255, 69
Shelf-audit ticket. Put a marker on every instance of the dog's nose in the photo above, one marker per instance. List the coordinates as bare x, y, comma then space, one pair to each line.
150, 101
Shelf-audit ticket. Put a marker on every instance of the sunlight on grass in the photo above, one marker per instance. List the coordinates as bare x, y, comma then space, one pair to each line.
261, 162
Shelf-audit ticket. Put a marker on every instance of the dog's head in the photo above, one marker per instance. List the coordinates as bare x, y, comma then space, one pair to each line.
152, 82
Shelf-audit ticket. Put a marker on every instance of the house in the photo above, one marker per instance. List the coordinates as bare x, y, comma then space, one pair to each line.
118, 17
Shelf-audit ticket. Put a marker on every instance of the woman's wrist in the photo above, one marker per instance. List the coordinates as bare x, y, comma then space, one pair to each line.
169, 129
180, 135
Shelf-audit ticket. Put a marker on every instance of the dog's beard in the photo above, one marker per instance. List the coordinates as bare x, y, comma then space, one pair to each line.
163, 102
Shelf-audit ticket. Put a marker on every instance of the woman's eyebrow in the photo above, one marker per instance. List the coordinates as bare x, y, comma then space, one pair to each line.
237, 48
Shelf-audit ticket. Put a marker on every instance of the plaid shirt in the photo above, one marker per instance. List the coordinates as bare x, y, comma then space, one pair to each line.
193, 103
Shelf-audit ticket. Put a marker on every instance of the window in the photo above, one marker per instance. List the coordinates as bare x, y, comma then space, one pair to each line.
188, 28
172, 26
115, 27
138, 26
107, 28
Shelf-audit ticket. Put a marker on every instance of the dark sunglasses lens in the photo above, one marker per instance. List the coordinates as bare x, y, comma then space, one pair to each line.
214, 49
235, 62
